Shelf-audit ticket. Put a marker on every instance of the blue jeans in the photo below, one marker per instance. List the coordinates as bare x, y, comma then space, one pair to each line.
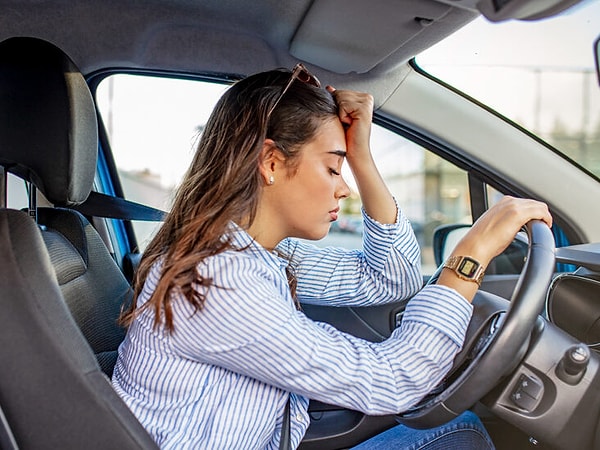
464, 432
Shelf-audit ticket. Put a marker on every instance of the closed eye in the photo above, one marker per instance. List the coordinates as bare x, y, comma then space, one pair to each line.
334, 172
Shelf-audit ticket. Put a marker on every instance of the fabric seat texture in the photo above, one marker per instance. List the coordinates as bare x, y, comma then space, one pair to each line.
49, 137
60, 289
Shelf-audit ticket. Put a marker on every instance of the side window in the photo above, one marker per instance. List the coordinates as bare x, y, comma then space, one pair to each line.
153, 124
430, 191
17, 196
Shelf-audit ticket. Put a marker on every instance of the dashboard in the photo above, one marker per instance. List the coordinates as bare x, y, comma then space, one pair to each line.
573, 299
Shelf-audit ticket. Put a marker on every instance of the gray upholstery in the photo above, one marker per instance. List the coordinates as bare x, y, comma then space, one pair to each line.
60, 290
48, 127
52, 392
48, 136
94, 288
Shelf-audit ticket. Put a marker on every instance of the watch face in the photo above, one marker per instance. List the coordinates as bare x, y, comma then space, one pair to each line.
468, 267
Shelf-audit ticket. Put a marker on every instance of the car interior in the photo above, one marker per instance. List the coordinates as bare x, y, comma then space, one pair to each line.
529, 366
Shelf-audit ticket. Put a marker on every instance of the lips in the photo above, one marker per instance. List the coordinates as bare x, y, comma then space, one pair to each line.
334, 214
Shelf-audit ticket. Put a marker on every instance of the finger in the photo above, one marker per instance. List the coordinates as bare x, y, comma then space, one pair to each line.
533, 209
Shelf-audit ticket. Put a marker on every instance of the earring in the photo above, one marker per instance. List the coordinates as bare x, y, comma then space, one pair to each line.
271, 180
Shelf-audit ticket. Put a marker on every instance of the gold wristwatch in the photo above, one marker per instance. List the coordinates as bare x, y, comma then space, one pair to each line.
466, 268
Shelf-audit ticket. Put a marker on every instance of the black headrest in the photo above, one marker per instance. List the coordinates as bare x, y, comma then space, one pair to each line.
48, 127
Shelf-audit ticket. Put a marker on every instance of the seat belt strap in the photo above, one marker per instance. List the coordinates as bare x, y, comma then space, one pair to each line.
284, 441
7, 439
107, 206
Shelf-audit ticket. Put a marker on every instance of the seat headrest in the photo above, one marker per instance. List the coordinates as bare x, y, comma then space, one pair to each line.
48, 125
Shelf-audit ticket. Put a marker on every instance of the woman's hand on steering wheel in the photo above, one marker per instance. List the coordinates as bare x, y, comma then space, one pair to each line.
491, 234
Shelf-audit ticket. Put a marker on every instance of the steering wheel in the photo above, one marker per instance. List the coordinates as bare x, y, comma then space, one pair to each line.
497, 337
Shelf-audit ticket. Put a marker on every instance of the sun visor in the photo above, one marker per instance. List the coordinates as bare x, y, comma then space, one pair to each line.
356, 35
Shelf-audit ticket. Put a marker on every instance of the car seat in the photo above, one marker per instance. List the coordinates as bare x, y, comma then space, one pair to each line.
49, 137
52, 390
60, 289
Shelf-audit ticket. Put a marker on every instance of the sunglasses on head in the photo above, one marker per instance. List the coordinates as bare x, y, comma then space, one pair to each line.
300, 73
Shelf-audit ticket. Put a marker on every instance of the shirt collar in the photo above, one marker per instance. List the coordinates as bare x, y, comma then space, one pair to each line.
241, 240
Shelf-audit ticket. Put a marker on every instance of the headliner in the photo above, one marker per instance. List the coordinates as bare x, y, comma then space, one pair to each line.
357, 44
362, 45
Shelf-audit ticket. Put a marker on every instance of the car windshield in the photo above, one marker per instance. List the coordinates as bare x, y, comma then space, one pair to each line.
539, 74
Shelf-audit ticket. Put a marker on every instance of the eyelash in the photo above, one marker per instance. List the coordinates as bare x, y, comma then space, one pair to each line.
334, 172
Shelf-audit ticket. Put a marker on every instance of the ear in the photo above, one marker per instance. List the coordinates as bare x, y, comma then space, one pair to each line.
271, 162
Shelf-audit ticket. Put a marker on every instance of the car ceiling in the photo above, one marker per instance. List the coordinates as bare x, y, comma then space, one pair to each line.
354, 44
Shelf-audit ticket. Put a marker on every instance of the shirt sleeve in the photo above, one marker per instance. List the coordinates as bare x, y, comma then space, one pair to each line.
387, 269
257, 333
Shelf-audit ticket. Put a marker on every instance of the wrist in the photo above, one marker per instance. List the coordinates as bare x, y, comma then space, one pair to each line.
360, 159
475, 250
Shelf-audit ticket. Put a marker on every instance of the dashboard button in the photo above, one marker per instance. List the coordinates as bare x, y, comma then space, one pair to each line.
527, 392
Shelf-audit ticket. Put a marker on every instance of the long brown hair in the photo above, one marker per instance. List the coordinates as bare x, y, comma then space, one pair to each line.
223, 182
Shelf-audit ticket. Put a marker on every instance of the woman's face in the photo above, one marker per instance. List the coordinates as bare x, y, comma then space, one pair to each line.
308, 196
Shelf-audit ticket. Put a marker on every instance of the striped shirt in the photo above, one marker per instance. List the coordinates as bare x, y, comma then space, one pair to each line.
222, 379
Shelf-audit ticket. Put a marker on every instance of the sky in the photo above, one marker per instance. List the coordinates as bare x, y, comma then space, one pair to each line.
155, 121
562, 46
564, 40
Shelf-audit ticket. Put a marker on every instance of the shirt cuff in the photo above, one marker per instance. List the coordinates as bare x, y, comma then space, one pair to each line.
378, 238
442, 308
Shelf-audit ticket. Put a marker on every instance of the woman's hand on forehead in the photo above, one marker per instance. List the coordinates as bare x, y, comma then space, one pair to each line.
355, 110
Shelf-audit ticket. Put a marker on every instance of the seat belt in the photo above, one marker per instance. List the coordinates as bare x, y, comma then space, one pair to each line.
284, 440
7, 439
107, 206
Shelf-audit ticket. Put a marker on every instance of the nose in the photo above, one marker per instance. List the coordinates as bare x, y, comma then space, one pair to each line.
342, 190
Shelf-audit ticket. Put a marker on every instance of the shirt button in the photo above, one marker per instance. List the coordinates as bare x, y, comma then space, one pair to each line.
299, 418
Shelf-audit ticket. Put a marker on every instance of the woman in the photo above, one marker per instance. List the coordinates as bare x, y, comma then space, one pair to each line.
216, 346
